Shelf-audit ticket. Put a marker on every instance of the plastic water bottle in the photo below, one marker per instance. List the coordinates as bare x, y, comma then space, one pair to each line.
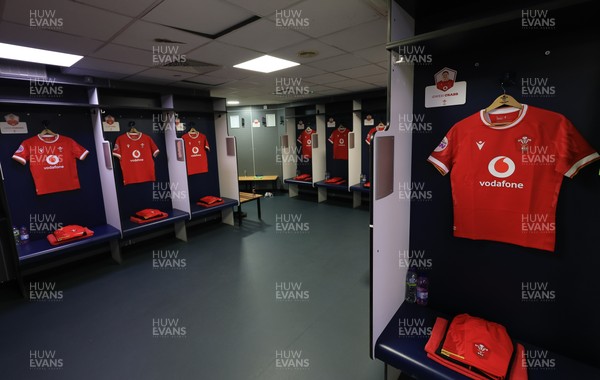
16, 235
24, 235
363, 179
422, 290
411, 285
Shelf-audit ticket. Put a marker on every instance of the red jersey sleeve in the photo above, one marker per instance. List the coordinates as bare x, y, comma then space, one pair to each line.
206, 146
153, 146
332, 137
117, 148
79, 152
573, 151
443, 155
22, 153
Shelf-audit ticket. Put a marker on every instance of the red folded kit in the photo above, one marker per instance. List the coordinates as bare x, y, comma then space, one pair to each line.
367, 184
210, 201
476, 348
303, 177
334, 180
69, 234
148, 215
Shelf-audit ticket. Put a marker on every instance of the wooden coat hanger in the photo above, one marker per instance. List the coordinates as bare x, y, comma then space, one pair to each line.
504, 100
132, 127
46, 131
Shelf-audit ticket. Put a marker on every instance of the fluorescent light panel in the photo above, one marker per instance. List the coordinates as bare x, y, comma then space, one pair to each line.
266, 64
27, 54
233, 102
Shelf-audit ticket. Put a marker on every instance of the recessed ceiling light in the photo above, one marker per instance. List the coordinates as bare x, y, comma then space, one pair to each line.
266, 64
233, 102
27, 54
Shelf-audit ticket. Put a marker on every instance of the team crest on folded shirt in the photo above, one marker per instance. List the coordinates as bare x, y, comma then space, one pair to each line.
481, 350
443, 144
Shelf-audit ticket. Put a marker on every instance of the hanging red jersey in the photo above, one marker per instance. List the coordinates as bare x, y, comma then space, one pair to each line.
305, 140
339, 139
196, 146
136, 152
506, 178
52, 161
371, 134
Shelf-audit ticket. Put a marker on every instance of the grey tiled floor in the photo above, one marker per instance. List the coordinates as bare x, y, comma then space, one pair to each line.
230, 323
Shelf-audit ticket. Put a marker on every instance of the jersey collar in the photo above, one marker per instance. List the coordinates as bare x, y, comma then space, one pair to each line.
131, 138
486, 120
44, 139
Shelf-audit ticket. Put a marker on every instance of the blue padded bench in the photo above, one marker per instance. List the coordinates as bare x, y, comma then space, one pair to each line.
406, 352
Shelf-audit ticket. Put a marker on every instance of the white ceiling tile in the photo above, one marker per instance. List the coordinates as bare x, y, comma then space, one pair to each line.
326, 17
323, 50
230, 73
65, 16
264, 7
359, 37
301, 71
206, 16
126, 54
379, 79
47, 39
325, 78
262, 36
348, 83
374, 54
340, 62
129, 8
222, 54
142, 34
362, 71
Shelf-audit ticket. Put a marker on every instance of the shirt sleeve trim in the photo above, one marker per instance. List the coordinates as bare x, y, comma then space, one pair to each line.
581, 163
439, 165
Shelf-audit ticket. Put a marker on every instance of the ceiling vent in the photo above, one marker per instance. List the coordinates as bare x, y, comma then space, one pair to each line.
21, 70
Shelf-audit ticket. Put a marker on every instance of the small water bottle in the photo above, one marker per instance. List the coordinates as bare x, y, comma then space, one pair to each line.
327, 175
16, 235
411, 285
422, 290
24, 235
363, 179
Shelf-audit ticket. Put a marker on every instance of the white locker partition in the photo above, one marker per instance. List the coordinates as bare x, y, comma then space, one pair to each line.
226, 159
105, 166
178, 180
319, 161
355, 153
391, 215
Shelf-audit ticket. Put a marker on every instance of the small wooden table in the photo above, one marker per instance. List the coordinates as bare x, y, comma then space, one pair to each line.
260, 178
248, 197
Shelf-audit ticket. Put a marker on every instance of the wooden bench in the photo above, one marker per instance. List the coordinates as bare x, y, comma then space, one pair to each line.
253, 179
248, 197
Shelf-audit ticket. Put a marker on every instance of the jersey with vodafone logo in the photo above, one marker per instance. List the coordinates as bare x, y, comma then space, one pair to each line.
136, 151
196, 146
305, 140
339, 139
52, 161
506, 177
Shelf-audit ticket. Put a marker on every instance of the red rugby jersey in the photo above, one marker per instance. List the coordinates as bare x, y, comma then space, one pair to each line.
506, 179
305, 139
196, 158
339, 139
136, 152
52, 161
